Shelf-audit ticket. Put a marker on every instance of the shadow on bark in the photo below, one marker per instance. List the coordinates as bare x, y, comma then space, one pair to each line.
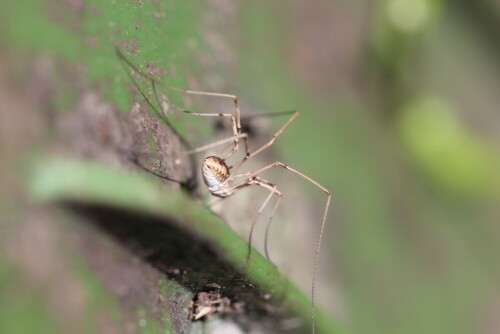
190, 260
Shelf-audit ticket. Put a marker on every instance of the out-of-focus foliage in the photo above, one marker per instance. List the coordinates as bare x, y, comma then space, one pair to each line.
400, 119
398, 25
453, 155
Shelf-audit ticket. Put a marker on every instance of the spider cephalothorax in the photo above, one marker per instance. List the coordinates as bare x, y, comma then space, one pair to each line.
215, 173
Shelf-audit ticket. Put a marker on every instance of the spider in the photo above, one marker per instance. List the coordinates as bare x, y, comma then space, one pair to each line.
222, 179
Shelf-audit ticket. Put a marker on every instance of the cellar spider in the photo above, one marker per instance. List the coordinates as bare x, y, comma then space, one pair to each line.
221, 178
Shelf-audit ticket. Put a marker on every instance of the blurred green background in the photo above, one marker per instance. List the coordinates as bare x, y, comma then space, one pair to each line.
400, 119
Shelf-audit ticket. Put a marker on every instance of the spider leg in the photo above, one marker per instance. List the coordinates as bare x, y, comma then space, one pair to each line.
234, 123
269, 221
273, 191
247, 174
216, 143
267, 115
236, 120
318, 245
248, 155
189, 184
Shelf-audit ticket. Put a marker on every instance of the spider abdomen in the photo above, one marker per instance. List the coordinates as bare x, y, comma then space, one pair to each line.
215, 174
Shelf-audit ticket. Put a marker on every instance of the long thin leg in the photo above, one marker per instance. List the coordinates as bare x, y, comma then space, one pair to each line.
273, 191
254, 222
276, 135
160, 103
246, 175
267, 115
180, 90
266, 237
269, 143
234, 128
236, 119
190, 184
270, 219
246, 120
216, 143
155, 110
318, 246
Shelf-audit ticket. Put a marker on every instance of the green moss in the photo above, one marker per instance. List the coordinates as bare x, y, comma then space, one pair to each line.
170, 289
149, 325
88, 36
